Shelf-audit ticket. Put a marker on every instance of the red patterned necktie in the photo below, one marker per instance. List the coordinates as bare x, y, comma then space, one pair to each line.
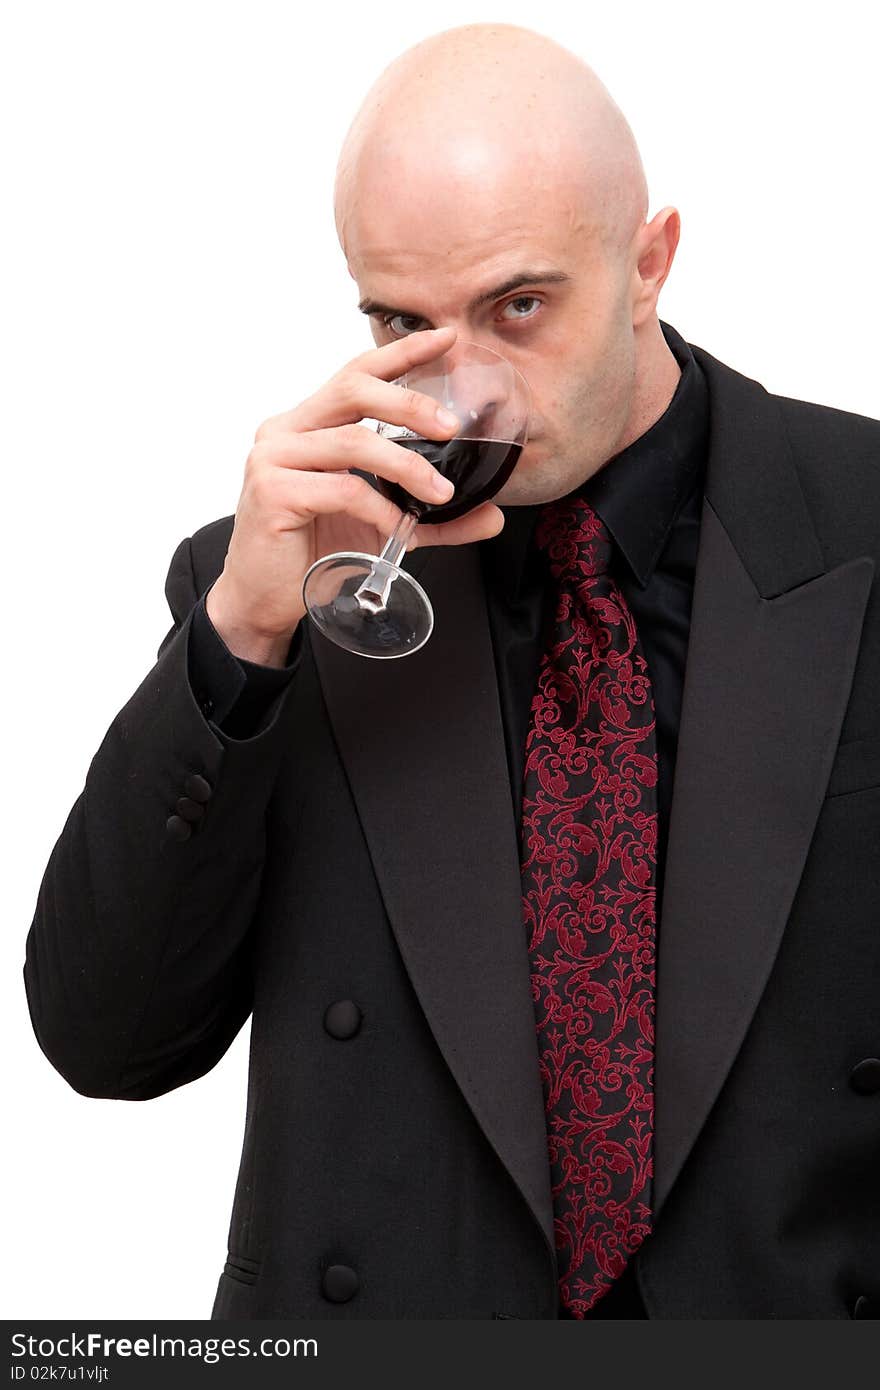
588, 880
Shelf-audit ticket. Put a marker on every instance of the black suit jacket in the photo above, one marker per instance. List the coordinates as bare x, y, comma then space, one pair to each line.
355, 883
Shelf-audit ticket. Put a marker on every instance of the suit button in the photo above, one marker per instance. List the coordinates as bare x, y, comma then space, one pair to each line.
189, 809
866, 1308
865, 1077
339, 1283
177, 828
197, 788
343, 1019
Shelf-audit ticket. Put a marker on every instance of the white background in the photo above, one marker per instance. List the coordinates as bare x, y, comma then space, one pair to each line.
170, 278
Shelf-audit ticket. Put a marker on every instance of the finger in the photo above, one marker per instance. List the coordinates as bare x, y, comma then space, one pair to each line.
481, 524
356, 446
394, 358
359, 397
341, 398
303, 496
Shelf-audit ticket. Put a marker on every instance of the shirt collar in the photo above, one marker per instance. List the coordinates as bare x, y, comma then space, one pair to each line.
639, 492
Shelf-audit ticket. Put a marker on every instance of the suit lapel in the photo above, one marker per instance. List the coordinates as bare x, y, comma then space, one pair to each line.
423, 746
771, 654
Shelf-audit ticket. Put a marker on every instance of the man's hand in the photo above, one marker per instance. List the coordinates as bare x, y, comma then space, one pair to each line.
299, 501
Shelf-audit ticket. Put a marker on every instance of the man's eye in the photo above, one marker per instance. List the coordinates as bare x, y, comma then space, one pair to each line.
521, 299
389, 320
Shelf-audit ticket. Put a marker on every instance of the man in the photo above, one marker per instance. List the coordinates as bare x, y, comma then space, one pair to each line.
453, 890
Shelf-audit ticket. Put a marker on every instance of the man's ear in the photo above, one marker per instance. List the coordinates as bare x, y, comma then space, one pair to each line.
655, 251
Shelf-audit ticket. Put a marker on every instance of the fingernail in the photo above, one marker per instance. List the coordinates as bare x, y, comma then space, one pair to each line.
444, 487
446, 418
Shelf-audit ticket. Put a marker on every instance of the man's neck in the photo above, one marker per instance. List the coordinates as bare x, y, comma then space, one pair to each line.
658, 372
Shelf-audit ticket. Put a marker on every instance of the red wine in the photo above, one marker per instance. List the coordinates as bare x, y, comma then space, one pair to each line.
478, 467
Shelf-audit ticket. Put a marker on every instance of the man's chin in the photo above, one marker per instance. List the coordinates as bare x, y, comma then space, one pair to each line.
529, 484
519, 490
542, 476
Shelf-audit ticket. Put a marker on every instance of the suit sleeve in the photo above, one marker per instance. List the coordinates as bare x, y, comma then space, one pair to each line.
137, 963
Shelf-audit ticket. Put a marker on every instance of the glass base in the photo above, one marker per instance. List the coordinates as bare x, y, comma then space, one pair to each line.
388, 616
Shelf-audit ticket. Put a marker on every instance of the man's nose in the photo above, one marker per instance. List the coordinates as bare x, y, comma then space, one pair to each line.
476, 392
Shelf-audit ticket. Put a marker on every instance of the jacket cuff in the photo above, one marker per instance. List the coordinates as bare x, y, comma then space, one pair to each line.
239, 697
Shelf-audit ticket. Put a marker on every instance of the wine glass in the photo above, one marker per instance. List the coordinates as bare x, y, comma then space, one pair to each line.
367, 603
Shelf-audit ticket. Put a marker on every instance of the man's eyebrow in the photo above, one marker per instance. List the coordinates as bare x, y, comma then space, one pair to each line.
514, 282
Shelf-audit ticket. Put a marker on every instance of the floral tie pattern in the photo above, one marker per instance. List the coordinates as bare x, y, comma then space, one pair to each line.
588, 879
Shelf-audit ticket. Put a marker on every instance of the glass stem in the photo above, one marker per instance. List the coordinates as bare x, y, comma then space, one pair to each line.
372, 594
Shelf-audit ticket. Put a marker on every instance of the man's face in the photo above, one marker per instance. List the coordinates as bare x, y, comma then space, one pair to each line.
420, 260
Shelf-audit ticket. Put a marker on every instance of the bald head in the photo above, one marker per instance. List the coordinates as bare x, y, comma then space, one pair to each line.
489, 183
482, 112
